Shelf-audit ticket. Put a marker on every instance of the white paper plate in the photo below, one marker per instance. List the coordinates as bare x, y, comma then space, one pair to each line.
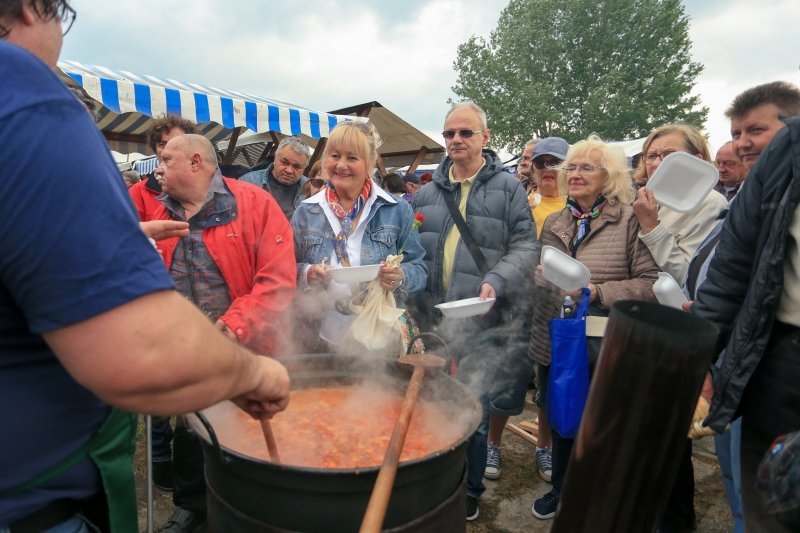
465, 308
682, 181
357, 274
563, 271
668, 292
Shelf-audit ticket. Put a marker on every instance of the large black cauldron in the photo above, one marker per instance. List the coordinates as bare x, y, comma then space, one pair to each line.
245, 493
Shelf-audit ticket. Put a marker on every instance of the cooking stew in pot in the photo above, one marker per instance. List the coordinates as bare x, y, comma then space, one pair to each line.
344, 427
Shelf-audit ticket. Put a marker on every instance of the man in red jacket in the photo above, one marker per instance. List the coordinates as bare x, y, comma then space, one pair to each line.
237, 265
162, 130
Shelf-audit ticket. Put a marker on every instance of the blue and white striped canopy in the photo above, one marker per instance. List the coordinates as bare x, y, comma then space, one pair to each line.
131, 100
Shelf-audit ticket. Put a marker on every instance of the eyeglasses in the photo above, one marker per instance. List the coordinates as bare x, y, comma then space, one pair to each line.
585, 168
650, 157
464, 134
546, 163
317, 182
67, 16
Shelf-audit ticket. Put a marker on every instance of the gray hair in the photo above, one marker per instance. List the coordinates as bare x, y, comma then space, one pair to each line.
469, 104
532, 141
296, 145
131, 176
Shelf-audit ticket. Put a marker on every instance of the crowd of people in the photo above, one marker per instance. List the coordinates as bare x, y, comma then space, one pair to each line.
95, 327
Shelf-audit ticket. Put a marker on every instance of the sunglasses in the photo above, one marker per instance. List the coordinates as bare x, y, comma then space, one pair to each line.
464, 134
317, 182
546, 163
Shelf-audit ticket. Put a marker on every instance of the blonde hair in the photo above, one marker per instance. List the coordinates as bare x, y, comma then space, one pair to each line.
360, 138
618, 187
693, 143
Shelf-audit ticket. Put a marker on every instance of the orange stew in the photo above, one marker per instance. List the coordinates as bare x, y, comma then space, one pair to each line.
345, 427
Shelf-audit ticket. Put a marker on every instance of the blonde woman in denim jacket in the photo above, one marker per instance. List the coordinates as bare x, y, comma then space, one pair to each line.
351, 222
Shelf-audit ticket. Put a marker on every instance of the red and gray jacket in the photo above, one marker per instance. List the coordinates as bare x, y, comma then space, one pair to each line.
255, 255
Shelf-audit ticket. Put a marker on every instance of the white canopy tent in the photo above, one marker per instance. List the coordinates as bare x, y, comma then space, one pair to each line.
128, 103
244, 127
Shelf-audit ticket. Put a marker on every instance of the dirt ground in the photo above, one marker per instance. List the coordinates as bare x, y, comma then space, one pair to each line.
506, 504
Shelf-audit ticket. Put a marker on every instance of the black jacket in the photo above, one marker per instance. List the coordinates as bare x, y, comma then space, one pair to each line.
745, 279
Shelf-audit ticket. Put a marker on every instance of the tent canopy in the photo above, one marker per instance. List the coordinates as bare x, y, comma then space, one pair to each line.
403, 144
129, 102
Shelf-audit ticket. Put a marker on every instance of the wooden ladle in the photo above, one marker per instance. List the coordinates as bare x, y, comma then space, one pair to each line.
269, 437
382, 491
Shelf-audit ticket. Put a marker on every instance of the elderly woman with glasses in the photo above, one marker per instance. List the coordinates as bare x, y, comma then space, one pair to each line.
352, 222
597, 227
673, 237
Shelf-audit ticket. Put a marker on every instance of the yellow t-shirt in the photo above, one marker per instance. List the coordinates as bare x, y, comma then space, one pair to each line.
451, 242
546, 207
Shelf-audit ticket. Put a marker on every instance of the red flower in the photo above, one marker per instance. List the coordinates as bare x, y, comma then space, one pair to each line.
418, 220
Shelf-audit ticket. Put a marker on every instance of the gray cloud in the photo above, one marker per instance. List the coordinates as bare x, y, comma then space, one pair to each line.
331, 54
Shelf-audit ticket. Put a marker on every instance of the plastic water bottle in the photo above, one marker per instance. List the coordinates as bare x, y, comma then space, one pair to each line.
568, 307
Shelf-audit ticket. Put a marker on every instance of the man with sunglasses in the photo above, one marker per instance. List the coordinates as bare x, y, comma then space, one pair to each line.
91, 329
494, 260
284, 177
547, 155
731, 172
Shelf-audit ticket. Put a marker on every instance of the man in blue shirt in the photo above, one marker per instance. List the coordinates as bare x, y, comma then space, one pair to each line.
77, 276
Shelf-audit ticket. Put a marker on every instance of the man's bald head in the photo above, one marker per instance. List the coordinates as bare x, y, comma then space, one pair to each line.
188, 163
191, 144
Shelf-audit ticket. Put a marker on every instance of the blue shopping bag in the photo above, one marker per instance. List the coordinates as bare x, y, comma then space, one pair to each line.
568, 381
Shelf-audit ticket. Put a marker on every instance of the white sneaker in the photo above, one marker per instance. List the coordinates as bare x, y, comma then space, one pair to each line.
492, 462
544, 463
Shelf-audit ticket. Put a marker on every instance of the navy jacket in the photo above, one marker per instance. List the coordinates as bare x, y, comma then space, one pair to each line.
745, 278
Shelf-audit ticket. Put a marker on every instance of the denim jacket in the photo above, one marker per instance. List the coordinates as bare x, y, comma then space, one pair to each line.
388, 228
260, 178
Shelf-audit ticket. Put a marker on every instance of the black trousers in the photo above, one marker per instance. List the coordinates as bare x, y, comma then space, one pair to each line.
770, 407
562, 450
189, 490
679, 513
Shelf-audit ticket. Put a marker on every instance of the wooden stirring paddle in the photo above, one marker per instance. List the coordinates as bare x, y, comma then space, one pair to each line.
266, 427
382, 491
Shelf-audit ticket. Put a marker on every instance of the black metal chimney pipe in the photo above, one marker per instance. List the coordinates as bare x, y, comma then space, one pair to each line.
641, 401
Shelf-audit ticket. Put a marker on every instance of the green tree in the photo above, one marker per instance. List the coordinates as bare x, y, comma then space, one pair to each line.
570, 68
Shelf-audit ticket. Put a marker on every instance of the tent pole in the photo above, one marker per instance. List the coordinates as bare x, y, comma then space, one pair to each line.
229, 154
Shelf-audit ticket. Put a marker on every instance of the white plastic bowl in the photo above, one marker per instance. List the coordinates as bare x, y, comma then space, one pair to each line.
357, 274
668, 292
682, 181
466, 308
563, 271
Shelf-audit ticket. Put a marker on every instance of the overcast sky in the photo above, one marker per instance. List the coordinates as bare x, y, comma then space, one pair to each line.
332, 54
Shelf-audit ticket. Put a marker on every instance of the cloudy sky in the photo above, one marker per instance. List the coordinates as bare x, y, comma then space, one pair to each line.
330, 54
